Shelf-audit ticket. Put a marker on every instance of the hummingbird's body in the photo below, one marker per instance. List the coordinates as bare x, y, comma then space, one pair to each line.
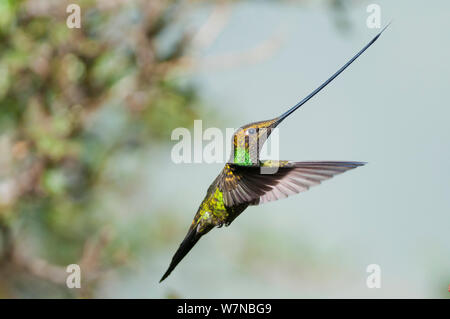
246, 180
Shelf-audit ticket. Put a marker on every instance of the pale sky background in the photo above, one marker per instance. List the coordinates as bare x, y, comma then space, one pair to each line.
390, 109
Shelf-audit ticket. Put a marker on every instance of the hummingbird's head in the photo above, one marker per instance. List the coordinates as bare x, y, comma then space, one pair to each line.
248, 141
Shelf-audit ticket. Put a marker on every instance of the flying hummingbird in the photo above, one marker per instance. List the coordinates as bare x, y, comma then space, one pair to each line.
246, 180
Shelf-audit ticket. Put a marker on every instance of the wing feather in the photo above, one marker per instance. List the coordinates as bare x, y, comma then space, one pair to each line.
244, 184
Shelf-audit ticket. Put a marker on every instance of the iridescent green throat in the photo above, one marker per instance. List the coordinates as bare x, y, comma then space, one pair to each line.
242, 157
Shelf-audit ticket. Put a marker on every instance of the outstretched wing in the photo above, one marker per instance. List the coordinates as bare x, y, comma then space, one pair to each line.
274, 180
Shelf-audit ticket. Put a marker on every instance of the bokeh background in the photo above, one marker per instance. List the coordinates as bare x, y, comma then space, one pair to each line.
86, 175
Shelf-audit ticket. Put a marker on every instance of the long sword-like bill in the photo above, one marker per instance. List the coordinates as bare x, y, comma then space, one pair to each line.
324, 84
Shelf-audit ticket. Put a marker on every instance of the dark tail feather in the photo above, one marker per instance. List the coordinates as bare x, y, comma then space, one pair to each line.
189, 241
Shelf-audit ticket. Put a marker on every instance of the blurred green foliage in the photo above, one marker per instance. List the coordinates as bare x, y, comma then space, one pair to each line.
72, 101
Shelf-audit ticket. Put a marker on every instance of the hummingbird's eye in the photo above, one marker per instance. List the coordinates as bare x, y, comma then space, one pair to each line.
251, 130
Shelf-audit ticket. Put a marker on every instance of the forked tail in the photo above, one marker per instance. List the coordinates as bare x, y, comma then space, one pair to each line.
186, 245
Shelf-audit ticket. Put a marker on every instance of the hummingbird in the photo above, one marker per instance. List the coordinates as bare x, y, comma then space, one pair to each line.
246, 180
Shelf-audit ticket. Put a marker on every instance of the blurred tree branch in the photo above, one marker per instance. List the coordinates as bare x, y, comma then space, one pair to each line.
57, 84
